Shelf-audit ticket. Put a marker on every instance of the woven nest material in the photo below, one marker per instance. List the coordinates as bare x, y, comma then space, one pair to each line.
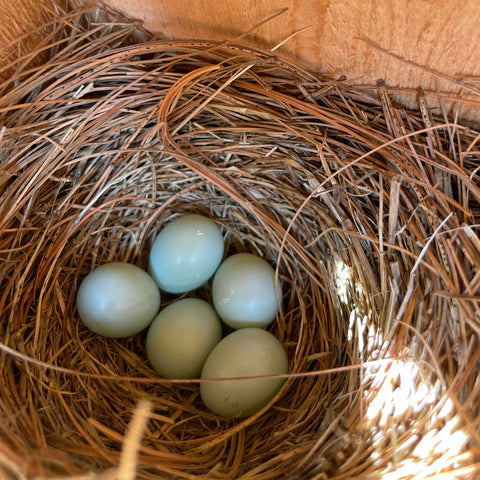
369, 212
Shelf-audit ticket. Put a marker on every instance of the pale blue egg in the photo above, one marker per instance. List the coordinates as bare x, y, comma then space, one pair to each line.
244, 292
181, 337
186, 253
247, 352
118, 300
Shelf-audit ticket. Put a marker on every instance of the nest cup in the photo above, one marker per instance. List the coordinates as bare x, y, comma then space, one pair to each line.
368, 212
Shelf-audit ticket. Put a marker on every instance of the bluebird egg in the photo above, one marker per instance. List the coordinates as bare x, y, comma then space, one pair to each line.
186, 253
181, 337
248, 352
117, 299
244, 292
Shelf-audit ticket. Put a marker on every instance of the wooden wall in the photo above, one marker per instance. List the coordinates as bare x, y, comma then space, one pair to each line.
335, 36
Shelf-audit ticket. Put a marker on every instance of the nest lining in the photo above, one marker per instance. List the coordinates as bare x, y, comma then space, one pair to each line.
369, 212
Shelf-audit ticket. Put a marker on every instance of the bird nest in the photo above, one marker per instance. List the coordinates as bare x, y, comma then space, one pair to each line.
368, 211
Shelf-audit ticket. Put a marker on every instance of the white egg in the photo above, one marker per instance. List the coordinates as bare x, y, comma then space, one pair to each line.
186, 253
244, 293
118, 299
244, 353
181, 337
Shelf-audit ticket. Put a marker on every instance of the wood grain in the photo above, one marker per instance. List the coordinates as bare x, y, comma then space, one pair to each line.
228, 20
335, 37
441, 35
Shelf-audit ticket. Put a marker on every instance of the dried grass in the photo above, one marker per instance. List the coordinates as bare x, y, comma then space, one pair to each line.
371, 214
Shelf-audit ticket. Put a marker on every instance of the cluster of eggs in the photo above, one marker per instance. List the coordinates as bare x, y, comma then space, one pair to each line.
184, 339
